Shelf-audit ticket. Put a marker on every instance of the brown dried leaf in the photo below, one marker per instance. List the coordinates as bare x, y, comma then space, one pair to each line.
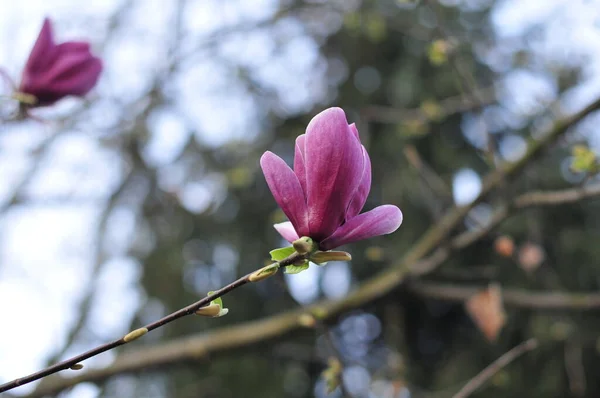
487, 311
504, 246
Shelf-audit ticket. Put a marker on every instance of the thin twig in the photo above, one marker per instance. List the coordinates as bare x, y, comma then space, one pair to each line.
574, 367
530, 199
189, 310
479, 380
447, 107
550, 198
437, 194
85, 303
454, 216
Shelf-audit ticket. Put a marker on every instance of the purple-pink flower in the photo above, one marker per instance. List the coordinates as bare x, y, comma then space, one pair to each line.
324, 194
54, 71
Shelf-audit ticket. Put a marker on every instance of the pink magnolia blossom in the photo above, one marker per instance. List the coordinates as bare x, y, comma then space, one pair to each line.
54, 71
324, 194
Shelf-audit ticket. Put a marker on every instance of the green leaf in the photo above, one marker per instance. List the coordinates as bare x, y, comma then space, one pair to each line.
438, 52
281, 253
584, 159
294, 269
217, 301
333, 374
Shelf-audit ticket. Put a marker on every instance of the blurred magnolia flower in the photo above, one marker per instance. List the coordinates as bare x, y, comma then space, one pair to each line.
54, 71
328, 187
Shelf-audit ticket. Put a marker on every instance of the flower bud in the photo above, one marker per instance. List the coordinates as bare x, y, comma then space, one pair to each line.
54, 71
304, 245
210, 310
264, 273
136, 334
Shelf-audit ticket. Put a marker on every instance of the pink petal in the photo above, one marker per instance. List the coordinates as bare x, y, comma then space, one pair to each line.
379, 221
286, 190
334, 165
74, 74
360, 196
299, 168
286, 229
70, 47
43, 50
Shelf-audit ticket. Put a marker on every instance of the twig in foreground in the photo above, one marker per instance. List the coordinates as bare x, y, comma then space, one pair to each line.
493, 368
74, 362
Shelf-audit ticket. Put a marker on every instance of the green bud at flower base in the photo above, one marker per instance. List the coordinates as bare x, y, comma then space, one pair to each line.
24, 98
304, 245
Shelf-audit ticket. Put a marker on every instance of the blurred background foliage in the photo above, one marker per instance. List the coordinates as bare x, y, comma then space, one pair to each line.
184, 207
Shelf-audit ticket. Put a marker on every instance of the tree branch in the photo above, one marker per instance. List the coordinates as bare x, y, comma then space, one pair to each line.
453, 217
511, 297
539, 198
447, 107
550, 198
477, 381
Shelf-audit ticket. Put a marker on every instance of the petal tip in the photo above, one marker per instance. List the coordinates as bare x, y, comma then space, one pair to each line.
266, 157
333, 112
393, 218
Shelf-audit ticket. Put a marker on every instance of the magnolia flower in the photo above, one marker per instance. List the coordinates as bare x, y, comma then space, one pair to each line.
324, 194
54, 71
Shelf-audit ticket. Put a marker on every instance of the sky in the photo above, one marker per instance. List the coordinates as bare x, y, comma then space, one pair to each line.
46, 249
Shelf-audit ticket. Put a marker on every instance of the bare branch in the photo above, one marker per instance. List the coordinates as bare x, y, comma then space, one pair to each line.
511, 297
574, 368
540, 198
447, 107
437, 233
476, 382
550, 198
